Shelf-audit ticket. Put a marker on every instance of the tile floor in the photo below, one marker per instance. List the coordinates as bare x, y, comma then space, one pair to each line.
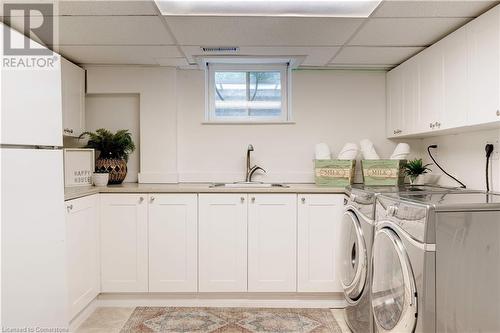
112, 319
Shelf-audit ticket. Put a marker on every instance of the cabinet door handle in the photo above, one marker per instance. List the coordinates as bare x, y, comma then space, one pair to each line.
253, 199
152, 199
69, 207
303, 200
242, 199
141, 200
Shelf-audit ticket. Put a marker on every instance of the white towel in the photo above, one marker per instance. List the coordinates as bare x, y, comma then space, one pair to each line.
323, 152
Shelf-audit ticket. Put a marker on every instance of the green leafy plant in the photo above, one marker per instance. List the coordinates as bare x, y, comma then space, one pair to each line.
118, 145
415, 168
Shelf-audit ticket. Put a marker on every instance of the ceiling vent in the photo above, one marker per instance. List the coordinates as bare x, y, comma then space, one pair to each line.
223, 49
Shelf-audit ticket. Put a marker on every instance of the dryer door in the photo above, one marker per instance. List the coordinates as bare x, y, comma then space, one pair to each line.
394, 300
354, 258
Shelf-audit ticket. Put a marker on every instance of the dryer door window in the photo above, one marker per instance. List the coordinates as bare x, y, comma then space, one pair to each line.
354, 259
394, 300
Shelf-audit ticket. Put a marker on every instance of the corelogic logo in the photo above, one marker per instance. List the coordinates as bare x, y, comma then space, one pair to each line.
32, 20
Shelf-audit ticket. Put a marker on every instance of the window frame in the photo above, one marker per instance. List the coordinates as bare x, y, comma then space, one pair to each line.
212, 68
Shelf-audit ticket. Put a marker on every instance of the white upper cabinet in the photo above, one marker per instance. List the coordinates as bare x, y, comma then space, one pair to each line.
82, 256
402, 99
319, 217
395, 115
458, 82
173, 243
73, 98
454, 52
272, 243
124, 243
30, 100
483, 45
430, 91
222, 242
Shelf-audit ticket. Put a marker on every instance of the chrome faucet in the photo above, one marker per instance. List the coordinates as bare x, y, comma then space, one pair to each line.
251, 170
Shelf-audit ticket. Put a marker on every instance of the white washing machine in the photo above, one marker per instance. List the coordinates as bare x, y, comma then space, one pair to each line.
436, 264
358, 225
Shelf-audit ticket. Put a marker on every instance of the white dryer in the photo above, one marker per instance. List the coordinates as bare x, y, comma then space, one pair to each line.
435, 263
357, 230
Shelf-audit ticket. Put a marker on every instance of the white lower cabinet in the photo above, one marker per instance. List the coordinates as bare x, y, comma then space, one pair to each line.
173, 243
124, 243
209, 243
82, 256
222, 242
272, 243
319, 217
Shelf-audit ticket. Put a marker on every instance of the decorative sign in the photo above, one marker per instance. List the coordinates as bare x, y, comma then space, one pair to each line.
78, 166
334, 173
383, 172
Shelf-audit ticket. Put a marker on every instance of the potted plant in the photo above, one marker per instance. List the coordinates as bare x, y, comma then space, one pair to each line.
414, 169
114, 150
100, 177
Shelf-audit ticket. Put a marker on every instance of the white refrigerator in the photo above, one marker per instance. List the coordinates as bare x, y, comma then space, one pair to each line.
33, 273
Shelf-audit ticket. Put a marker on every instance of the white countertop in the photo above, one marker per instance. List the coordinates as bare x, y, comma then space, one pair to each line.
81, 191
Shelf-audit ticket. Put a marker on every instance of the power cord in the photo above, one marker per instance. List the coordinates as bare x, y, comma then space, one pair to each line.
489, 149
462, 185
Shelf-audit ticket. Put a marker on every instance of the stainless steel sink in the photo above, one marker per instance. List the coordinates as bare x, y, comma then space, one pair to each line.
248, 185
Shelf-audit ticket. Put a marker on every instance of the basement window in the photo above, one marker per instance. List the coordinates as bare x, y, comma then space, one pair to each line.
247, 93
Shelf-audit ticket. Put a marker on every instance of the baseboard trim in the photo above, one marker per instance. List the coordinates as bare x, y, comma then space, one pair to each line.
280, 300
83, 315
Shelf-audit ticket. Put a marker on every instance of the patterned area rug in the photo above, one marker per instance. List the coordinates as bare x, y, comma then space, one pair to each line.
225, 320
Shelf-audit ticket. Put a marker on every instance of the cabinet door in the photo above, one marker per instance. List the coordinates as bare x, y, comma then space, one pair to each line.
430, 89
402, 99
173, 242
30, 101
73, 98
319, 218
394, 117
124, 248
272, 243
82, 257
455, 99
483, 43
222, 242
411, 96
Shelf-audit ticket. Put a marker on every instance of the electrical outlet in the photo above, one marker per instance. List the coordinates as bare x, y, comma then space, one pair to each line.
495, 156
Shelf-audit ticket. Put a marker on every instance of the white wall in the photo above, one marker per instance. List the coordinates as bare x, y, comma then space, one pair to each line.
463, 156
156, 87
329, 106
115, 112
332, 106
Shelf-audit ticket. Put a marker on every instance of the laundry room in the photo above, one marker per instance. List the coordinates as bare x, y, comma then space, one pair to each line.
272, 166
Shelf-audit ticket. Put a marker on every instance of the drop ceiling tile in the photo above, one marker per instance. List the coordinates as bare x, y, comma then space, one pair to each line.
174, 62
375, 55
262, 31
123, 54
447, 8
145, 7
113, 30
362, 66
405, 31
314, 56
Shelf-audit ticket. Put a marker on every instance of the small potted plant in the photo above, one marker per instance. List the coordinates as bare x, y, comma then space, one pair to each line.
100, 177
114, 150
415, 169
